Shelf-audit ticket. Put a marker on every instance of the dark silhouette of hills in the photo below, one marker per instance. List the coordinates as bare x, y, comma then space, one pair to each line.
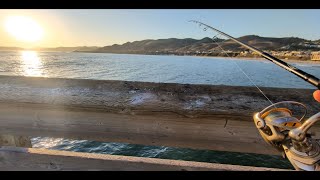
180, 46
207, 44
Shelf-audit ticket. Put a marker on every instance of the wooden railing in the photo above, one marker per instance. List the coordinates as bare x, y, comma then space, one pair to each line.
176, 115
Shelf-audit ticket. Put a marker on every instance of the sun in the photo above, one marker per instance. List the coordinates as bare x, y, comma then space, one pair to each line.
23, 28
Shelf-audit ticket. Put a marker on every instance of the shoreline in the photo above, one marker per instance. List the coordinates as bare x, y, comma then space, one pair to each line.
263, 59
223, 57
237, 58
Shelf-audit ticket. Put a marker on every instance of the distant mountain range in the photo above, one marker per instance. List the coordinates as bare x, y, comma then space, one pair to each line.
207, 44
69, 49
174, 45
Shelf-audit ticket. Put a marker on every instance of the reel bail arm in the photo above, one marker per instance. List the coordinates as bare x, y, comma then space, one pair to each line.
299, 134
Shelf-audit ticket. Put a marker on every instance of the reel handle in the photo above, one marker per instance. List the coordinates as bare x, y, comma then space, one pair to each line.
299, 134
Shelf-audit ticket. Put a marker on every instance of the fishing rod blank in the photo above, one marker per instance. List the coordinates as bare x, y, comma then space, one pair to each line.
305, 76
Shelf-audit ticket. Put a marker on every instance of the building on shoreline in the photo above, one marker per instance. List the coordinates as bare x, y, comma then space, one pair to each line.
315, 56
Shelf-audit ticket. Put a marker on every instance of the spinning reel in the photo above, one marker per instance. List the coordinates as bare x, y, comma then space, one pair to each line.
289, 134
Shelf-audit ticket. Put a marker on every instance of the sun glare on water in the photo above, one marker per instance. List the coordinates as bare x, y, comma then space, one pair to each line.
23, 28
31, 64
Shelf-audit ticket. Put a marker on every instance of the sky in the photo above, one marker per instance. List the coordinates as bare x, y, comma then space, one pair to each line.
102, 27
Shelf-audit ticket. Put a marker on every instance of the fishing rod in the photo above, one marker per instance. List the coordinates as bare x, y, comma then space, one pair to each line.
298, 72
279, 126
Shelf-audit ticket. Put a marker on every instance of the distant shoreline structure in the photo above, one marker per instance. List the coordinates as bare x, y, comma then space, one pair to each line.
226, 57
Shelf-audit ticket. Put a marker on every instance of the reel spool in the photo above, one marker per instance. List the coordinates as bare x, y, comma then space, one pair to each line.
275, 121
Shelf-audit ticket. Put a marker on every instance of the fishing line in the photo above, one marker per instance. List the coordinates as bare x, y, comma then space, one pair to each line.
205, 29
241, 69
298, 72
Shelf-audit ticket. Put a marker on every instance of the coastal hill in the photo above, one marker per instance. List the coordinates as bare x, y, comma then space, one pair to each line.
171, 44
191, 46
69, 49
174, 45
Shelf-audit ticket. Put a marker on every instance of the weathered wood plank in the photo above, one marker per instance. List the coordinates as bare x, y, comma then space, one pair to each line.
12, 158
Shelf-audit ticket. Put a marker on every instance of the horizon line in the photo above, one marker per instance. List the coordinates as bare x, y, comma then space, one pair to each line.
142, 40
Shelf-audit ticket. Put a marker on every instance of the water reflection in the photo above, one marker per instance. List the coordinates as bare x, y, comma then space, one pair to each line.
31, 64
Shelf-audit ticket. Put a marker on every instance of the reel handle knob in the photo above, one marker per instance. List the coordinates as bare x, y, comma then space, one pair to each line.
299, 134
